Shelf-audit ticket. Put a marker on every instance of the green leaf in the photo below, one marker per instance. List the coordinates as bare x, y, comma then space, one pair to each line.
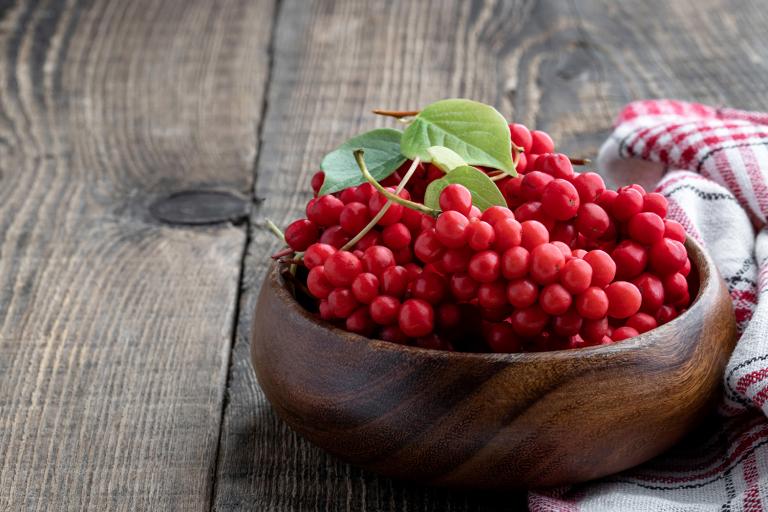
444, 158
382, 156
478, 133
484, 191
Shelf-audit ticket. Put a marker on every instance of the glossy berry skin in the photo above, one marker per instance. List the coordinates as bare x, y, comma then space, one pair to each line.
480, 235
675, 287
560, 200
592, 304
529, 321
533, 185
325, 211
563, 232
427, 247
451, 229
384, 310
567, 324
316, 254
342, 302
665, 314
589, 186
318, 283
485, 266
492, 296
546, 262
463, 287
556, 165
521, 136
507, 234
456, 197
317, 181
300, 234
393, 334
515, 263
393, 214
360, 322
365, 287
641, 322
593, 330
522, 293
667, 256
396, 236
592, 221
495, 213
651, 291
456, 260
623, 333
655, 203
674, 230
646, 228
603, 267
576, 275
429, 287
623, 299
541, 142
628, 202
631, 259
554, 299
501, 338
416, 318
377, 259
448, 316
335, 237
342, 267
394, 281
532, 234
354, 217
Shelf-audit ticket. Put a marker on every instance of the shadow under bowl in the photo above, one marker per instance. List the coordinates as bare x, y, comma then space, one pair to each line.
499, 421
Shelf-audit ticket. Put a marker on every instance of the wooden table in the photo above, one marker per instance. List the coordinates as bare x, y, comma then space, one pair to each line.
142, 145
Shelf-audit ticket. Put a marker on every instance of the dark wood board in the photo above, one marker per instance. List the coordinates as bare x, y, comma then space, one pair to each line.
567, 67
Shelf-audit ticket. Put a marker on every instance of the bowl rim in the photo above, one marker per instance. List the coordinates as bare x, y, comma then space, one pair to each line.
707, 273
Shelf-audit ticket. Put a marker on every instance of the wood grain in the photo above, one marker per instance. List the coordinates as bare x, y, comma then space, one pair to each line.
566, 67
493, 421
115, 329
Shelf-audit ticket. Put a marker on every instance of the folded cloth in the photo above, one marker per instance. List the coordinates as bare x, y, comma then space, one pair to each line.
714, 163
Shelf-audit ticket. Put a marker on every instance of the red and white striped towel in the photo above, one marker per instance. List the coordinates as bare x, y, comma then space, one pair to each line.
714, 163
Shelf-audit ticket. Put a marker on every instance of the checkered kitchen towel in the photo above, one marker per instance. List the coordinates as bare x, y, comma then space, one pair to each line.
714, 163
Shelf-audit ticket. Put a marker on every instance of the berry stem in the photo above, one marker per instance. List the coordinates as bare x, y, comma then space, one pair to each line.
274, 229
384, 208
396, 113
580, 161
386, 193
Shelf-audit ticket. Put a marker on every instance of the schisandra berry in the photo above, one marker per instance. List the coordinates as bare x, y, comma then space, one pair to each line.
641, 322
396, 236
325, 211
394, 281
576, 275
623, 333
628, 202
541, 142
342, 267
592, 303
521, 136
655, 203
451, 229
631, 259
457, 198
592, 221
316, 254
342, 302
646, 227
507, 233
354, 217
492, 296
522, 293
485, 266
300, 234
430, 287
317, 181
501, 338
416, 318
529, 321
428, 247
318, 283
556, 165
384, 310
515, 263
495, 213
554, 299
533, 233
480, 235
589, 186
623, 299
674, 230
546, 262
667, 256
533, 185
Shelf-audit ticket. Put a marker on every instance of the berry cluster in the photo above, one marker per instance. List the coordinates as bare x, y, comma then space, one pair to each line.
567, 264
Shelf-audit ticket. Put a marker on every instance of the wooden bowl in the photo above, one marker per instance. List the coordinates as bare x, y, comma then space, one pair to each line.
493, 420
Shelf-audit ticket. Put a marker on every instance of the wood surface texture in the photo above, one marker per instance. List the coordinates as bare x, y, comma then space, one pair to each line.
119, 303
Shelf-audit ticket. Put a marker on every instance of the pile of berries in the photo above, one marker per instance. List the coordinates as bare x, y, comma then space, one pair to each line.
567, 264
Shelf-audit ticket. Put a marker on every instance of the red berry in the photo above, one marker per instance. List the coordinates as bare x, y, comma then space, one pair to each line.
474, 213
342, 302
529, 321
674, 230
456, 260
628, 202
623, 333
651, 291
485, 266
521, 136
515, 263
393, 214
416, 318
427, 247
641, 322
513, 191
377, 259
480, 235
655, 203
365, 287
451, 229
394, 281
396, 236
522, 163
576, 275
594, 330
623, 299
686, 270
501, 338
592, 221
667, 256
533, 185
560, 200
342, 267
507, 233
317, 181
546, 262
430, 287
370, 239
631, 259
646, 227
300, 234
316, 254
556, 165
592, 303
318, 283
335, 237
675, 288
603, 267
325, 310
392, 333
495, 213
606, 199
325, 211
433, 342
463, 287
492, 295
567, 324
666, 314
522, 293
533, 233
360, 322
554, 299
541, 142
384, 310
563, 232
456, 197
589, 185
354, 217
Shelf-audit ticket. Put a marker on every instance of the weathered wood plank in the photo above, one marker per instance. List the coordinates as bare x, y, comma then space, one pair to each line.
565, 67
115, 329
